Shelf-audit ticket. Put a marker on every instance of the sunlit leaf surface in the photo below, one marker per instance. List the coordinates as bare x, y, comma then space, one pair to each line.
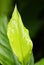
19, 38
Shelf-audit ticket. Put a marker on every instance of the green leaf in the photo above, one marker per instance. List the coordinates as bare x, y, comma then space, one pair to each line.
41, 62
19, 38
31, 62
6, 54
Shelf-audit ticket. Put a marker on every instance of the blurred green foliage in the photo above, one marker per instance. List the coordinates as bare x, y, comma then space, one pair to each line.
6, 55
6, 7
41, 62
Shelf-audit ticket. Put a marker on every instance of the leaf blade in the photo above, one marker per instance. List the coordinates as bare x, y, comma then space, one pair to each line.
19, 38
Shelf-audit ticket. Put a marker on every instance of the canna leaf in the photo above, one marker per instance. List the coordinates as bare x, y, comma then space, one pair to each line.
19, 38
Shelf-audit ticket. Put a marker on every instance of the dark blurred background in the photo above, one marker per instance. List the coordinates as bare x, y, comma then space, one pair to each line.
32, 13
